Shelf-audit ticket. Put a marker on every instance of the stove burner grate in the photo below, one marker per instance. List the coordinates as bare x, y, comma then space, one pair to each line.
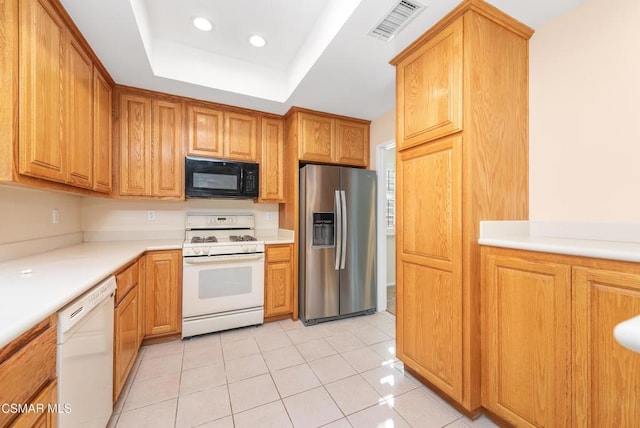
200, 239
236, 238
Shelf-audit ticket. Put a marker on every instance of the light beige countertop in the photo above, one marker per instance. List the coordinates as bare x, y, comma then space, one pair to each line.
280, 236
610, 241
34, 287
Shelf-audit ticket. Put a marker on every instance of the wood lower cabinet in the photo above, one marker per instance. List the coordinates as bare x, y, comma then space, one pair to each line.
549, 354
149, 149
526, 340
272, 161
142, 280
278, 287
163, 293
28, 375
605, 377
455, 167
127, 320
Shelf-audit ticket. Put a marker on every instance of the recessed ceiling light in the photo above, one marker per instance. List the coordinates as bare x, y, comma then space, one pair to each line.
257, 41
202, 24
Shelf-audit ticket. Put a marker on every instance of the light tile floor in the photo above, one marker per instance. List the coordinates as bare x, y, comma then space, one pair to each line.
336, 374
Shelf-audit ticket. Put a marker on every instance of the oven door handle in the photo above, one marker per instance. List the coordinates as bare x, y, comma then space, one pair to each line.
221, 259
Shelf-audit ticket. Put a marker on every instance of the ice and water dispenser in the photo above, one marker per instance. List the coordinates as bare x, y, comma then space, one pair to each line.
324, 229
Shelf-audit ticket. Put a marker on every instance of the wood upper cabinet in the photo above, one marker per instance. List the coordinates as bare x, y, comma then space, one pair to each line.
241, 136
316, 139
272, 161
429, 286
79, 120
325, 138
167, 171
28, 375
526, 339
135, 144
445, 76
278, 293
435, 68
64, 105
101, 133
43, 62
163, 293
150, 148
218, 133
605, 377
352, 143
205, 130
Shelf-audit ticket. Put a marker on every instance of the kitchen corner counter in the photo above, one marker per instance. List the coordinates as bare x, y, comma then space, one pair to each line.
280, 236
604, 241
37, 286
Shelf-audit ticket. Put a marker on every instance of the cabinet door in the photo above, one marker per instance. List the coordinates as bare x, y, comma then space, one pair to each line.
46, 419
205, 132
272, 161
240, 136
429, 89
278, 281
352, 143
142, 279
429, 260
163, 302
42, 68
526, 339
167, 174
135, 145
101, 133
606, 381
125, 339
316, 138
79, 118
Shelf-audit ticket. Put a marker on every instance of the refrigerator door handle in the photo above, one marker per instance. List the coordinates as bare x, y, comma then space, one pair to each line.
338, 239
343, 230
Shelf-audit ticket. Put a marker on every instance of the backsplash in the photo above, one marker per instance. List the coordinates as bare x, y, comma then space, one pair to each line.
108, 219
27, 221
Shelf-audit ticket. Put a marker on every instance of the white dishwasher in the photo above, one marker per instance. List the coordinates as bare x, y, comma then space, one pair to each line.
85, 358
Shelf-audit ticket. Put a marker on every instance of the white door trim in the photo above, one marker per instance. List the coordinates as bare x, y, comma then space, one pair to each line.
382, 225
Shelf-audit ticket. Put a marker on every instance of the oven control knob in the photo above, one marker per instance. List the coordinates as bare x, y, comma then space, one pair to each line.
205, 251
196, 250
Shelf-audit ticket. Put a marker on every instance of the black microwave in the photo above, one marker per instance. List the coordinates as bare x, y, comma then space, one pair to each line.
214, 178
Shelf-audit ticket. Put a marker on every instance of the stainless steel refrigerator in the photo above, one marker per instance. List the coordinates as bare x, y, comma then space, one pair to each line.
337, 259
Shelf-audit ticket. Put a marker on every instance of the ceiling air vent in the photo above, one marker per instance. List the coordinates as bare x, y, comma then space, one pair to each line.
403, 12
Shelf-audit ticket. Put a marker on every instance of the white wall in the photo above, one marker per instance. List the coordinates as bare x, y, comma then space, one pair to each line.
382, 131
584, 115
26, 225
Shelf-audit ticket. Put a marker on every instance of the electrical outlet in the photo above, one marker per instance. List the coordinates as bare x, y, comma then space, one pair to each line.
269, 216
55, 216
151, 215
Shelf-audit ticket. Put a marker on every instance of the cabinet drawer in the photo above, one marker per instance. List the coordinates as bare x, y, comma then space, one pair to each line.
125, 281
27, 365
280, 253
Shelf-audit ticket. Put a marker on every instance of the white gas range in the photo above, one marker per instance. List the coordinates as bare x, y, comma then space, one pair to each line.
223, 273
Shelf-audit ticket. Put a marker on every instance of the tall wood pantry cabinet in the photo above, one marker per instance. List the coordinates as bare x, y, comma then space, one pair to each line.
462, 157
